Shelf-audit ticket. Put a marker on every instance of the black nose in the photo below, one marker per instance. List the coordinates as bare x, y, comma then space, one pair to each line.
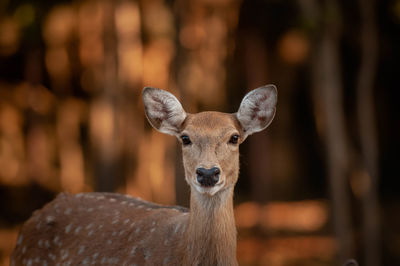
208, 177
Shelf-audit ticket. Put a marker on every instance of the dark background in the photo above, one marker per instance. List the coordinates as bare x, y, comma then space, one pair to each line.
320, 185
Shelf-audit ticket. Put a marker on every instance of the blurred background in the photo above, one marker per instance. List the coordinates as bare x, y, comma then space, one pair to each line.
319, 186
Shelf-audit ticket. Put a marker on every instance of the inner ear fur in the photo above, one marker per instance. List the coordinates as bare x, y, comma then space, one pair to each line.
257, 109
163, 110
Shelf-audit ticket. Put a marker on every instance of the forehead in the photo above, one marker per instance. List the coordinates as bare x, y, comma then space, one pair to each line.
211, 122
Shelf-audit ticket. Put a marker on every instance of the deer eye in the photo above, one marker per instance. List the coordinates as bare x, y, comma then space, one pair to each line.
186, 140
234, 139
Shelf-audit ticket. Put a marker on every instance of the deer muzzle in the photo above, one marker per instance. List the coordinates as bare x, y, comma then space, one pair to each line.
208, 177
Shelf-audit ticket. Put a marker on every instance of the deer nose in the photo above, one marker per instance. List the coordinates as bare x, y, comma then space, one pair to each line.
208, 177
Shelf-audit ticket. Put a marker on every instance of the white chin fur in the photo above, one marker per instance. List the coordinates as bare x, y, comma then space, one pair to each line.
208, 190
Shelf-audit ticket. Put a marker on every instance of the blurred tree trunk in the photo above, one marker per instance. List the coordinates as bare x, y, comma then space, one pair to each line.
105, 160
367, 133
259, 145
153, 176
270, 162
330, 117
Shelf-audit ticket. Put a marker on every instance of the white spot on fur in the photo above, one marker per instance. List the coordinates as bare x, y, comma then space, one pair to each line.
47, 243
126, 221
90, 233
177, 228
78, 229
64, 254
115, 221
184, 228
100, 197
166, 241
147, 254
52, 256
81, 249
68, 228
44, 263
56, 239
121, 232
137, 230
50, 219
68, 211
79, 195
114, 233
95, 255
20, 239
89, 226
29, 263
152, 230
113, 260
133, 250
90, 209
109, 241
100, 207
23, 249
113, 200
40, 243
123, 202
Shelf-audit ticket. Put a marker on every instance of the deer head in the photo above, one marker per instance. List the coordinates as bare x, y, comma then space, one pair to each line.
210, 140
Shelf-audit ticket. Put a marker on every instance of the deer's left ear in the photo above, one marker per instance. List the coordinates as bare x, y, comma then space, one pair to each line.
257, 109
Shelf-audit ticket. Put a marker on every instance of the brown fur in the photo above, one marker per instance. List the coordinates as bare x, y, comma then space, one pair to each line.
211, 237
101, 228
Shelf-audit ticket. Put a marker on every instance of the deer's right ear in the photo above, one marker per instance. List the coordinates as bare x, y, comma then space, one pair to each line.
163, 110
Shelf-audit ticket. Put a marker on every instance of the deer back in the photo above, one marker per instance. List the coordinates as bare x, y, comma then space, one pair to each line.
101, 228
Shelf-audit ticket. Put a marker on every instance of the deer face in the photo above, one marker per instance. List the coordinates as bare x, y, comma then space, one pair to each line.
210, 149
210, 140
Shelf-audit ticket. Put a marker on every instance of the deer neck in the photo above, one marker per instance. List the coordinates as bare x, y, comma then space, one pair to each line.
211, 235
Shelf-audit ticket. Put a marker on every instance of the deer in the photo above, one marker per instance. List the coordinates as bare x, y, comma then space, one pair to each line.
114, 229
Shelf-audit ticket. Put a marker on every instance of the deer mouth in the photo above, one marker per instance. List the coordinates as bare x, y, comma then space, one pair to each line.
209, 190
